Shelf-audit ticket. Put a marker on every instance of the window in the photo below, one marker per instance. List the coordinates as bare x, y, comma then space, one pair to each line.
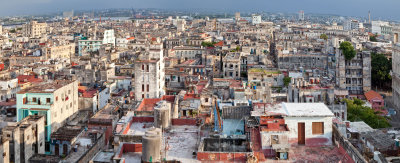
142, 67
318, 128
147, 67
70, 104
274, 139
47, 100
142, 96
206, 100
148, 88
34, 99
142, 87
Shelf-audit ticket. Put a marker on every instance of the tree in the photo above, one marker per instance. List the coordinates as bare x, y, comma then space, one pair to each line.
323, 36
373, 38
207, 44
348, 50
380, 71
357, 112
286, 80
12, 31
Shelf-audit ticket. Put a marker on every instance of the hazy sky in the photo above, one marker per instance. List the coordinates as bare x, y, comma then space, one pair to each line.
379, 8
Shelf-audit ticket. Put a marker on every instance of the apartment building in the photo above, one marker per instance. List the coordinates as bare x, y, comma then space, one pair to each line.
86, 46
354, 75
232, 64
8, 89
57, 101
149, 79
61, 51
34, 29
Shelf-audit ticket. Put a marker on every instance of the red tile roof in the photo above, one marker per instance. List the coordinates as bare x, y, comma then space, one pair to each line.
28, 78
372, 94
221, 43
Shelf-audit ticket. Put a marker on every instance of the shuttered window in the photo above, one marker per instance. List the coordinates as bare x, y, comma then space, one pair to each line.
318, 128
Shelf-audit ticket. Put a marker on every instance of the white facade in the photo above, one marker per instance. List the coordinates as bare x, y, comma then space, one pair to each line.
376, 26
9, 89
309, 113
109, 37
256, 19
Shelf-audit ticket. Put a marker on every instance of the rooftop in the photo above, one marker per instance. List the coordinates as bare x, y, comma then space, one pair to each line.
359, 127
103, 156
139, 129
307, 109
48, 87
317, 154
370, 95
181, 143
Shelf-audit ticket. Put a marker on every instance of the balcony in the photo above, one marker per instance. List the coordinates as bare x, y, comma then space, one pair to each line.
31, 104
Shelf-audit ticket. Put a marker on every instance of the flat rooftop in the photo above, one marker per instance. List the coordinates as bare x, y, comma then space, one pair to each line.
139, 129
103, 156
48, 87
132, 157
307, 110
317, 154
182, 142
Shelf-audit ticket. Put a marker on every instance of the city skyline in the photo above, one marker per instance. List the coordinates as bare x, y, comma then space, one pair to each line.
356, 8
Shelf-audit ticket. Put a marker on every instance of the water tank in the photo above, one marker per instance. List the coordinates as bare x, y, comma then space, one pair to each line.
162, 114
151, 146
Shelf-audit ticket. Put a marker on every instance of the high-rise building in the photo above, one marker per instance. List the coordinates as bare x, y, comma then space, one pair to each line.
301, 15
57, 101
256, 19
354, 75
68, 14
381, 28
237, 16
109, 37
149, 74
352, 25
34, 29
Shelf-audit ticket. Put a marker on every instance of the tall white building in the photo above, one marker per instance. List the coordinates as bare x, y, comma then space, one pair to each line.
381, 28
352, 25
109, 37
34, 29
149, 74
256, 19
237, 16
301, 15
68, 14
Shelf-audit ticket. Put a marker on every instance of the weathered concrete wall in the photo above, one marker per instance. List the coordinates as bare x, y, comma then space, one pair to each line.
5, 149
351, 153
311, 140
93, 150
26, 143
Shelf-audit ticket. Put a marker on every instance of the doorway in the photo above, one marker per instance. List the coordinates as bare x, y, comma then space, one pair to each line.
301, 133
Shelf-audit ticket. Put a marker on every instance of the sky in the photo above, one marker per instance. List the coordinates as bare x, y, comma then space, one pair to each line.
380, 9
